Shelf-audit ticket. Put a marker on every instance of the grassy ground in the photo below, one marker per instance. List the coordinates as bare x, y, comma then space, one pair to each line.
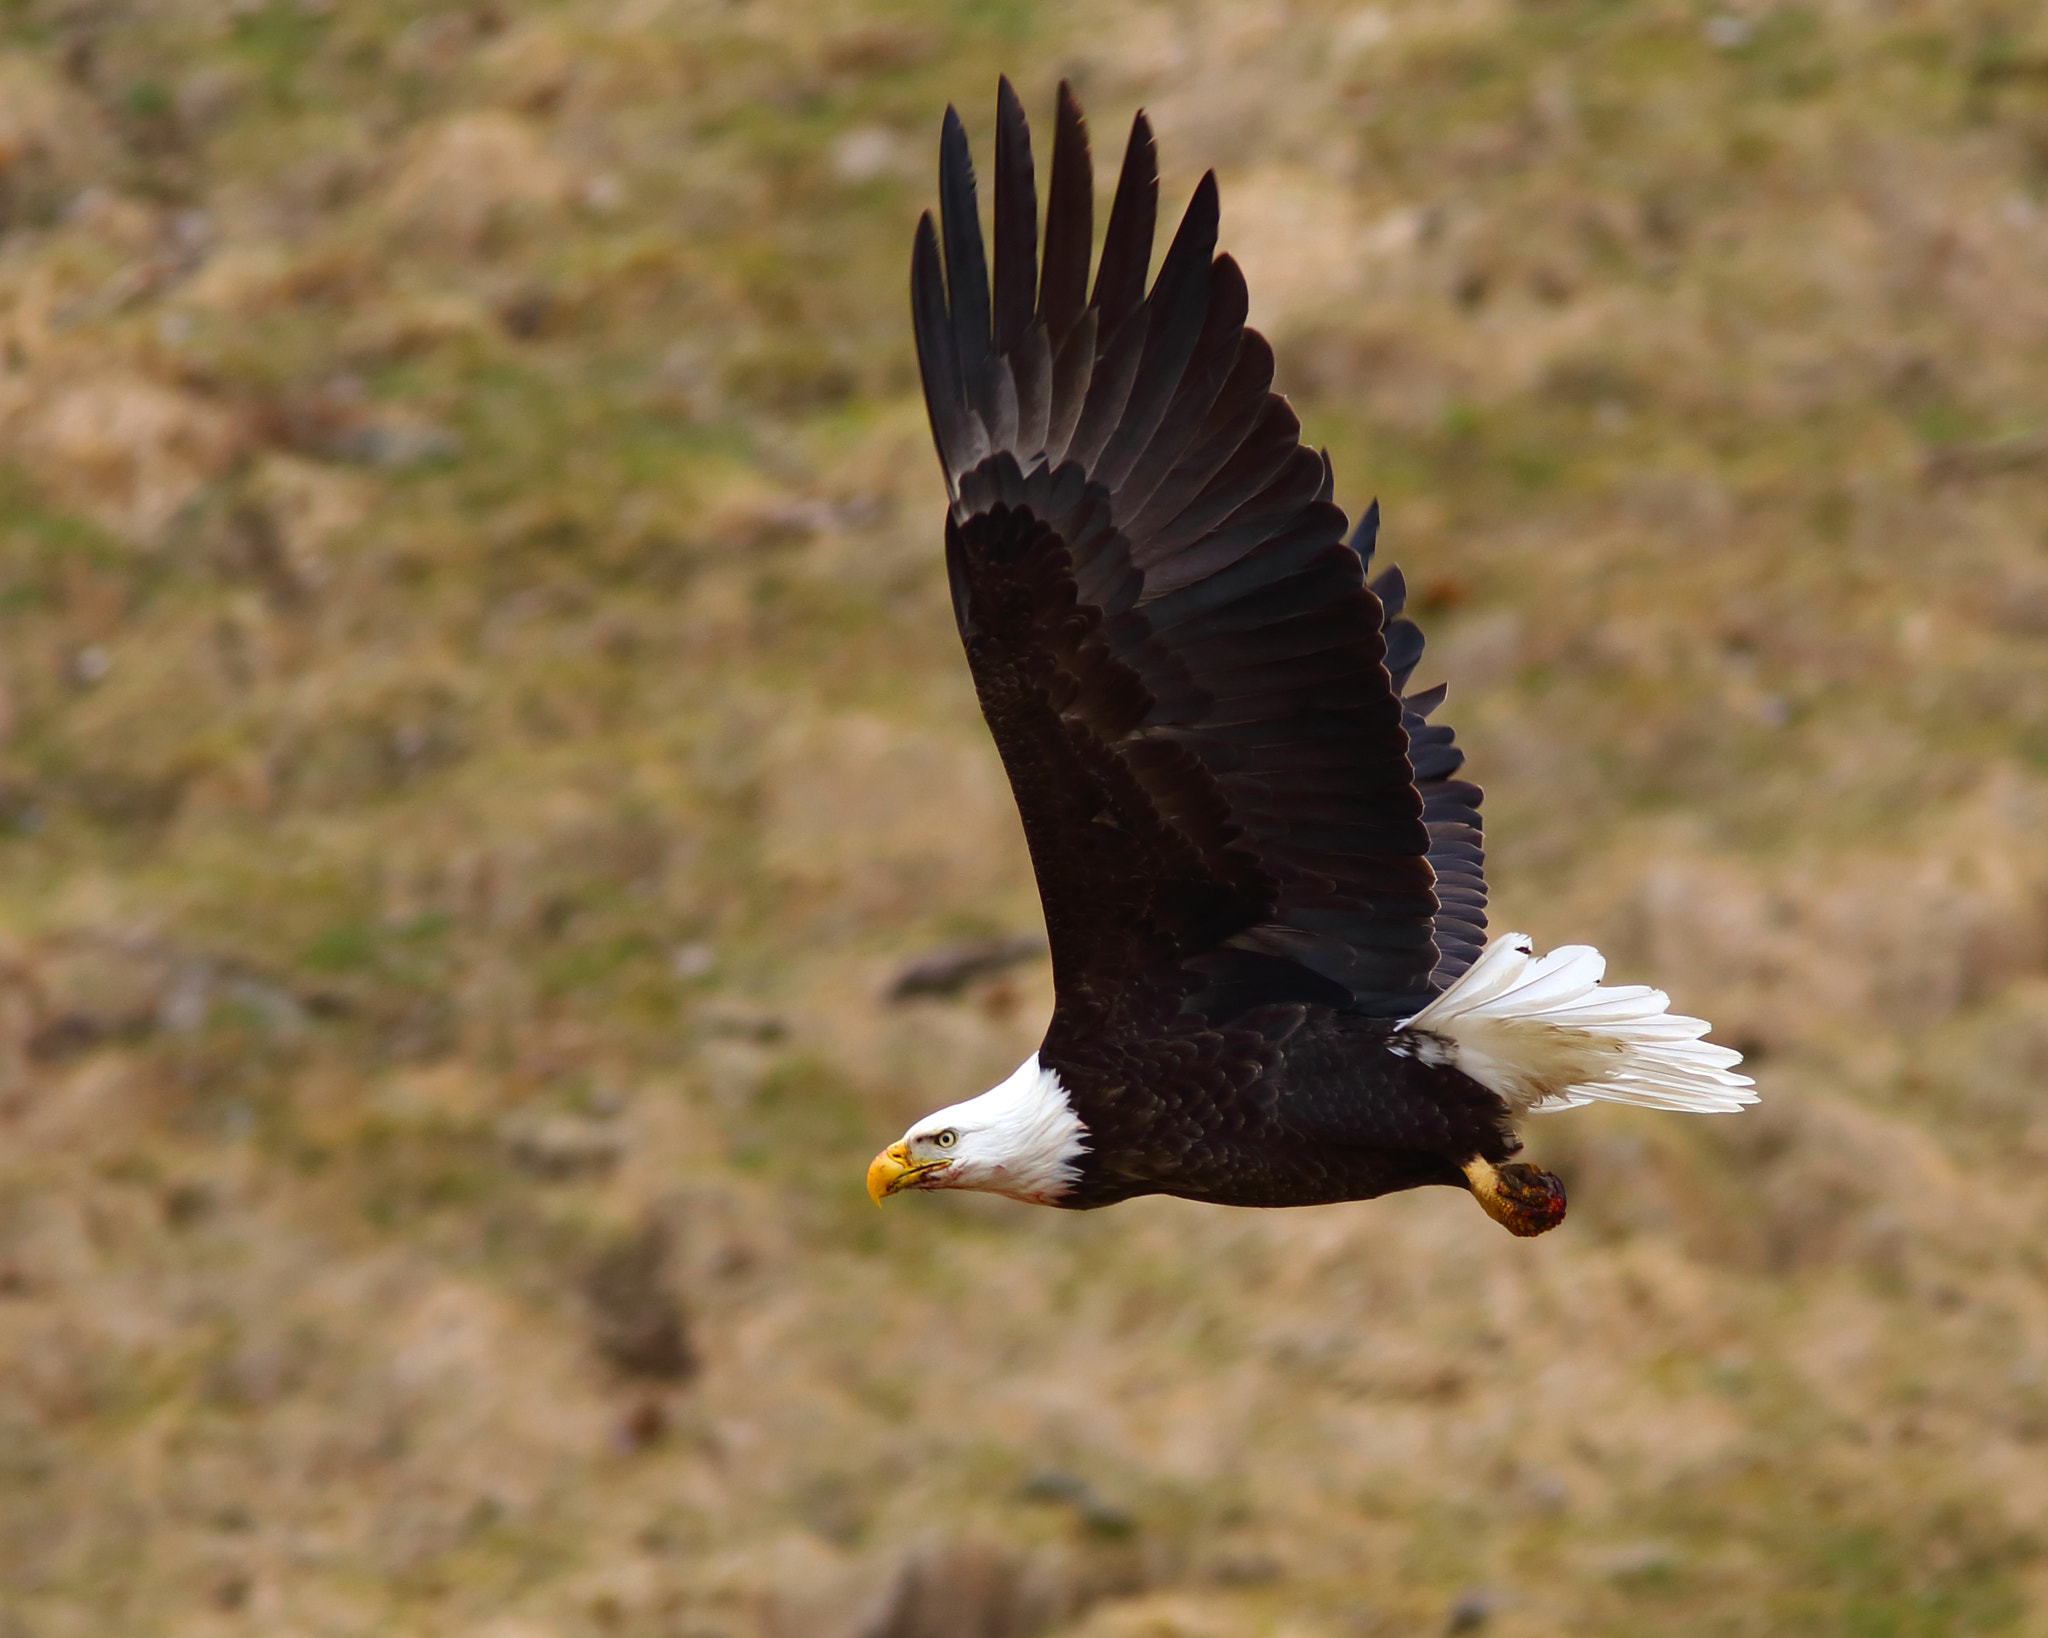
480, 724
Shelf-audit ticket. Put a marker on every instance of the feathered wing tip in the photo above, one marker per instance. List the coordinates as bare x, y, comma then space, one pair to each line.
1547, 1034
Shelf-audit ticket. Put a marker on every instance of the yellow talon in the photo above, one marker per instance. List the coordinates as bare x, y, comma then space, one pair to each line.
1523, 1199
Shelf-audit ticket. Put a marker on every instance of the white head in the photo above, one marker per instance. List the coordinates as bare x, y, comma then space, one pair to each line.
1022, 1139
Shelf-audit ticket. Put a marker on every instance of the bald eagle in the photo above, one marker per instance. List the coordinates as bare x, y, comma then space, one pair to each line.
1261, 874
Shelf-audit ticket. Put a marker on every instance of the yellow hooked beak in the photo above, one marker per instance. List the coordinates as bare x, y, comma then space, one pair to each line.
893, 1169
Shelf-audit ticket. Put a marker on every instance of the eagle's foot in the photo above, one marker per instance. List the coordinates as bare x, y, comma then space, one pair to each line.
1523, 1199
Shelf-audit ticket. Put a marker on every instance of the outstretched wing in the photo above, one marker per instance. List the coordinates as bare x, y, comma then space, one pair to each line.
1191, 686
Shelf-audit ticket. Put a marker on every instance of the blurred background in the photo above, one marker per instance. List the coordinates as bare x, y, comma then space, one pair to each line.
482, 738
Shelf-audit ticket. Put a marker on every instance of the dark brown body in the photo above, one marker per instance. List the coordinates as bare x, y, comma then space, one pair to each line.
1285, 1106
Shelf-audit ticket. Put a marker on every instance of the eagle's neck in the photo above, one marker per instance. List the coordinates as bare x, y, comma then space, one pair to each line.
1023, 1136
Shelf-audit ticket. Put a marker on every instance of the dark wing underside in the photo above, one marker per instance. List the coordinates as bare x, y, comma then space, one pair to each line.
1196, 695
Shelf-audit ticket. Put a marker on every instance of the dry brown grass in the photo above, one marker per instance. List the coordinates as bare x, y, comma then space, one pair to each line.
480, 725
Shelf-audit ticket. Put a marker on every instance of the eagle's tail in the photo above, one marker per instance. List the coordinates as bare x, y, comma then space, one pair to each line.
1547, 1034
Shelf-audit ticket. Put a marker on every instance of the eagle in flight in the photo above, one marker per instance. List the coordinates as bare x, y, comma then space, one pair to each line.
1261, 873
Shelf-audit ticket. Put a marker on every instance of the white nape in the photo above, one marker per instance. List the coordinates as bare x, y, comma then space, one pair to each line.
1021, 1138
1547, 1034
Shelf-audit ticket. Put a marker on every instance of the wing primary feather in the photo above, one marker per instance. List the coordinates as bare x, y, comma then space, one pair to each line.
938, 358
1072, 366
1016, 222
1176, 309
1069, 223
1204, 377
1127, 242
1231, 419
1109, 389
1002, 430
966, 268
1031, 367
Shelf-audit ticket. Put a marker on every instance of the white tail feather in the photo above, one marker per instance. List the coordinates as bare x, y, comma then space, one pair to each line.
1547, 1034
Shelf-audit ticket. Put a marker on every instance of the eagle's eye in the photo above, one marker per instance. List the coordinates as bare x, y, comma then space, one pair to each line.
947, 1138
